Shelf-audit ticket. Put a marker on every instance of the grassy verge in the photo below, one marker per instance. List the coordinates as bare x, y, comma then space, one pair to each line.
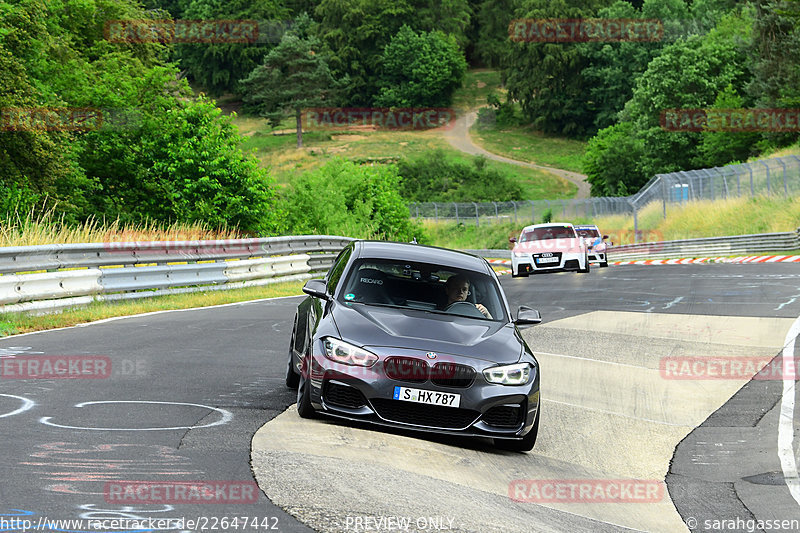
13, 323
706, 218
738, 216
280, 154
525, 144
477, 86
34, 229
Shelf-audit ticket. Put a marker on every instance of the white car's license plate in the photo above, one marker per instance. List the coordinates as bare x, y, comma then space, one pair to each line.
427, 396
547, 259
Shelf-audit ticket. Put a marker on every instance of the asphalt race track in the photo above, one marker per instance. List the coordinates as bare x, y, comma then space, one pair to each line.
185, 393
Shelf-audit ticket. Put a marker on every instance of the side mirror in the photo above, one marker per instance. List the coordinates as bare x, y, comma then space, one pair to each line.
512, 240
317, 289
527, 316
605, 237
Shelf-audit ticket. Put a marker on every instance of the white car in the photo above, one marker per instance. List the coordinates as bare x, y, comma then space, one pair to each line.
595, 243
552, 247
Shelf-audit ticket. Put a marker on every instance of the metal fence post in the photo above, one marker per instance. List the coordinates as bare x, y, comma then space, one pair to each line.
455, 204
785, 187
477, 220
767, 167
436, 211
515, 211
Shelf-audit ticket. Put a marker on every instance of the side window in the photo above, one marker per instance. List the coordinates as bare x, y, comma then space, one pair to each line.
335, 273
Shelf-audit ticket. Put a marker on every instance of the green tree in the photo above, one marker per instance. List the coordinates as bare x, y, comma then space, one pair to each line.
218, 67
492, 18
718, 148
357, 32
420, 70
360, 201
294, 76
611, 161
432, 177
547, 78
707, 64
775, 56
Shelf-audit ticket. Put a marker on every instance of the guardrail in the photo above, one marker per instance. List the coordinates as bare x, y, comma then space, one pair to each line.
715, 246
53, 277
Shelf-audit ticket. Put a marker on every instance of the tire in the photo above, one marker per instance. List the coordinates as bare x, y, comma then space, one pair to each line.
518, 275
292, 377
527, 442
604, 264
304, 407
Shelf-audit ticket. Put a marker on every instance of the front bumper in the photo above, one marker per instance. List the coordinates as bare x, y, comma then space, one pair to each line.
532, 263
367, 395
597, 257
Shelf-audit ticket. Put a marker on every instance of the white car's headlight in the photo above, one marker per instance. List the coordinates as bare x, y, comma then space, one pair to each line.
516, 374
341, 352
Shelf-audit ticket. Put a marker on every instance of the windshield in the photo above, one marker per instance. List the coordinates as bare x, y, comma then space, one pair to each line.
587, 232
547, 233
423, 286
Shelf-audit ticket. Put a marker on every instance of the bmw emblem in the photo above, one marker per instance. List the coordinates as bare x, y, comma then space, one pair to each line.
431, 355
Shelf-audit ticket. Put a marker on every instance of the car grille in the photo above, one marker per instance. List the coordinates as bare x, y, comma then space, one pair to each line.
452, 375
343, 395
406, 369
417, 371
504, 416
434, 416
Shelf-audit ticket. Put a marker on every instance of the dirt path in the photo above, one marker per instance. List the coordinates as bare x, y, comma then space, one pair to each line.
459, 138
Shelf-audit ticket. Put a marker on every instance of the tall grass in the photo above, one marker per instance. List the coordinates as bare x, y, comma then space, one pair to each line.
702, 218
45, 228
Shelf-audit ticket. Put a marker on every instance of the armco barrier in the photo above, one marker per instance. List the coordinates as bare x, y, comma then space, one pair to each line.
33, 278
716, 246
719, 246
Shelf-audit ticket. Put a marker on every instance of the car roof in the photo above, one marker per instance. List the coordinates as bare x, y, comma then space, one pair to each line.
548, 225
421, 254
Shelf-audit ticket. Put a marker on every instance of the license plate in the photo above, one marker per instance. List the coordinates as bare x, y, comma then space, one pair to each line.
547, 259
429, 397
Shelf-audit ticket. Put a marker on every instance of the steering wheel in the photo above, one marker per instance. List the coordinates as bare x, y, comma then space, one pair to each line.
464, 308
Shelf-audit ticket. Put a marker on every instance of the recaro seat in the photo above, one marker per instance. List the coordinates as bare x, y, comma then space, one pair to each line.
371, 287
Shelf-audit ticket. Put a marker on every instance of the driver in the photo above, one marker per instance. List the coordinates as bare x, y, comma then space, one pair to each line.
457, 289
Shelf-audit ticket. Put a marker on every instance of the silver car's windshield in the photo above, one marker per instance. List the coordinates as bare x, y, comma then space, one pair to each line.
587, 232
426, 287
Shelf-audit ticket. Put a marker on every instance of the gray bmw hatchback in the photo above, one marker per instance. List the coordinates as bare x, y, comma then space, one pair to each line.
415, 337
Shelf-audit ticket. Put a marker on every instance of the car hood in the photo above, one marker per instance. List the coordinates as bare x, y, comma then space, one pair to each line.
373, 326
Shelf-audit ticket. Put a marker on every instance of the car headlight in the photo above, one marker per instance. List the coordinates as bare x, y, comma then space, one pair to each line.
516, 374
341, 352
